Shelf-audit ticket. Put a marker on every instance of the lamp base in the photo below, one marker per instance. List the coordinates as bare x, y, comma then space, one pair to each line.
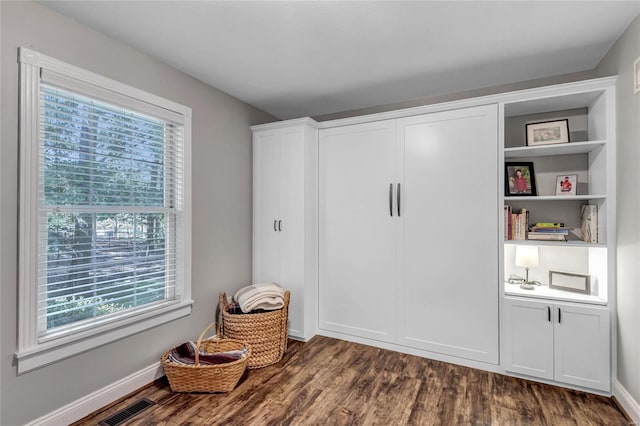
527, 286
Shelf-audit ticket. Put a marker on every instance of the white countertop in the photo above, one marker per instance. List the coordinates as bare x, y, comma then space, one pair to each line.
544, 292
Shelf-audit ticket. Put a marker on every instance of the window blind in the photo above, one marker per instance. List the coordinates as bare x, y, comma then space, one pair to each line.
110, 195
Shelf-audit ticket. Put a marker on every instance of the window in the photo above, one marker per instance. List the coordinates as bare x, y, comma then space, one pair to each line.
104, 210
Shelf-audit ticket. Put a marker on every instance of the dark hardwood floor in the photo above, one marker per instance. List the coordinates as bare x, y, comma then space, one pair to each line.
333, 382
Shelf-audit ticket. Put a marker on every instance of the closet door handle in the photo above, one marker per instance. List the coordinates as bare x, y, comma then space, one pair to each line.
274, 226
391, 199
549, 313
279, 226
398, 199
559, 315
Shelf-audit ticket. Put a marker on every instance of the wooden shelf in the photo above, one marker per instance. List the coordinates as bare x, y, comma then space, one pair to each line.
548, 150
557, 198
552, 103
570, 243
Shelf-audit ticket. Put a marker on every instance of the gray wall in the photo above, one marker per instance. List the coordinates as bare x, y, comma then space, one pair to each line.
221, 205
429, 100
619, 60
222, 171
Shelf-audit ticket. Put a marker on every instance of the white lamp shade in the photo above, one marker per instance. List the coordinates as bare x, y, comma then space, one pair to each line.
527, 256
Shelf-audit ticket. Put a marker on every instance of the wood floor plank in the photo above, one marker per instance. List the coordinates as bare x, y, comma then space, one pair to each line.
329, 381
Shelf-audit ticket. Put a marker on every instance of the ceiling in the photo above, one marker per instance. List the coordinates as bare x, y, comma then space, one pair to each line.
308, 58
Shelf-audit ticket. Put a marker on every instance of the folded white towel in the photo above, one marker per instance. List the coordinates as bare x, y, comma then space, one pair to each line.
267, 296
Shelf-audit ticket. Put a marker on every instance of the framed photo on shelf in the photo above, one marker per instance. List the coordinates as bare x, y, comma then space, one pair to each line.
548, 132
567, 281
519, 179
566, 184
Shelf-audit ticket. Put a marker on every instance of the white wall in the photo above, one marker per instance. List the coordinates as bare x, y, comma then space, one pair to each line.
619, 60
222, 164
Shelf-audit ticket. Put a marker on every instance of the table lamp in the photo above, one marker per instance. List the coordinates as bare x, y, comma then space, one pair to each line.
527, 256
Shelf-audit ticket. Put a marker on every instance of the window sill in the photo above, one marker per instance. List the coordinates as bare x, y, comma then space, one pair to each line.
50, 352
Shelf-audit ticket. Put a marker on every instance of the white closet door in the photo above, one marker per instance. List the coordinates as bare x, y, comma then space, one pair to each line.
449, 240
357, 256
291, 229
266, 202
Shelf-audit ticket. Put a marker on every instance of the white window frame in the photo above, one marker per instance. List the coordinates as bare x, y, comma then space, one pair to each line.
33, 353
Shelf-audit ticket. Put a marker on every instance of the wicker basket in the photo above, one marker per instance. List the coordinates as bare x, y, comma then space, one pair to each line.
207, 378
266, 332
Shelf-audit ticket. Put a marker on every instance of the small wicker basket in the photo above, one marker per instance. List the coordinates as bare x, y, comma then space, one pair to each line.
266, 332
207, 378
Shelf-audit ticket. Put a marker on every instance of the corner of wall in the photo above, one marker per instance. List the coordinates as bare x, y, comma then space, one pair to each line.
624, 398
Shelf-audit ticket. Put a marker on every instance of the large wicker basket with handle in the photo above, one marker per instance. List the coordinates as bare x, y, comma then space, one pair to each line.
207, 378
265, 332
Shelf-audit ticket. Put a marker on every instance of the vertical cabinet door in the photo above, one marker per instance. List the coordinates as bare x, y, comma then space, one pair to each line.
291, 224
283, 197
357, 253
582, 346
528, 338
448, 169
266, 206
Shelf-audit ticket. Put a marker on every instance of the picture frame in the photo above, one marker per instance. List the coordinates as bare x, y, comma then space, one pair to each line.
519, 179
569, 281
566, 184
548, 132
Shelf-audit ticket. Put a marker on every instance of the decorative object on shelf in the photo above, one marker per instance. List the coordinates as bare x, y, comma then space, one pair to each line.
566, 184
527, 257
548, 132
515, 279
519, 179
568, 281
589, 223
636, 76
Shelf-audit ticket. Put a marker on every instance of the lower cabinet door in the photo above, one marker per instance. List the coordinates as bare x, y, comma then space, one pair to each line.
582, 346
529, 338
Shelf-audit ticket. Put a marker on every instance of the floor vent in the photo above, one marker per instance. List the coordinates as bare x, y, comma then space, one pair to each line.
127, 413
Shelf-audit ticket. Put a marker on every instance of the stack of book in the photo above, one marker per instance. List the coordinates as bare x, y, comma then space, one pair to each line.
548, 231
515, 224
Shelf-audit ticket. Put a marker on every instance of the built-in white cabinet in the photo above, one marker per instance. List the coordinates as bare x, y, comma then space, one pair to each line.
404, 204
568, 343
390, 230
285, 216
550, 331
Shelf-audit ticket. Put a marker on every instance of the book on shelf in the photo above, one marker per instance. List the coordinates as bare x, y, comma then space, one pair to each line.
541, 236
589, 223
515, 224
549, 224
543, 230
507, 222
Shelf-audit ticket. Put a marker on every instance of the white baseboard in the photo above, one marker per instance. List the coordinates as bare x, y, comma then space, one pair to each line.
494, 368
625, 399
98, 399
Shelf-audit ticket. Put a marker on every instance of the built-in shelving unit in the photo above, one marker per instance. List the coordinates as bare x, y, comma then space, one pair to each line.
590, 155
558, 321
